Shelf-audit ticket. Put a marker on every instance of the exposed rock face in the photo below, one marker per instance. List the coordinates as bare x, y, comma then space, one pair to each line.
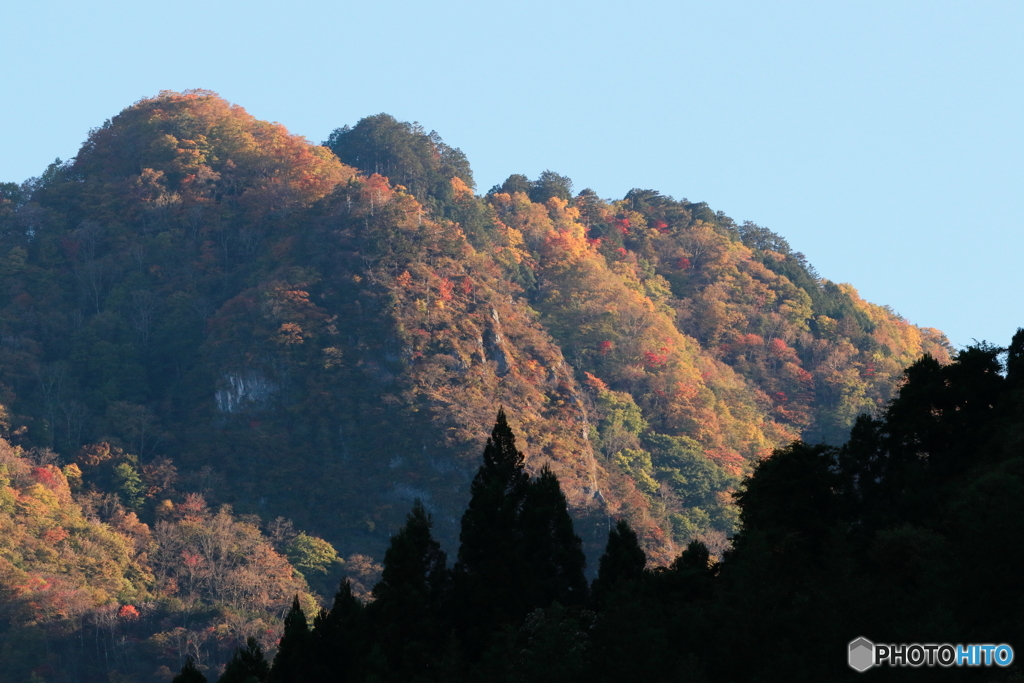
248, 390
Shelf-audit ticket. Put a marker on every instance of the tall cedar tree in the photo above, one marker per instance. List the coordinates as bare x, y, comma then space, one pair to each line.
339, 639
247, 665
292, 662
553, 551
490, 568
190, 673
623, 562
408, 608
518, 549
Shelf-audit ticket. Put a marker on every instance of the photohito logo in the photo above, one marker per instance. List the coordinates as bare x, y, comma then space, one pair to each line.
863, 654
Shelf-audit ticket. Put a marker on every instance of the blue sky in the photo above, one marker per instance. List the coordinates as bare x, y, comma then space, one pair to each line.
885, 140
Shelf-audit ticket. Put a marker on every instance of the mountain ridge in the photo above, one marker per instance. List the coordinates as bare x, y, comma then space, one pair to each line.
185, 211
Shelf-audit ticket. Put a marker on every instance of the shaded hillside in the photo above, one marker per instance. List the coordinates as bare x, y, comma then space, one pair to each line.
308, 339
875, 539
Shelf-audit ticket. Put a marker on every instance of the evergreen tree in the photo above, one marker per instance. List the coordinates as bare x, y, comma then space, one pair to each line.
407, 611
339, 639
519, 550
247, 665
550, 184
1015, 360
292, 662
623, 561
491, 565
551, 548
190, 673
516, 182
405, 153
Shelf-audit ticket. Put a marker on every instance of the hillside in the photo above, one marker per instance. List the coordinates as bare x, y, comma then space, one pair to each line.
205, 286
325, 333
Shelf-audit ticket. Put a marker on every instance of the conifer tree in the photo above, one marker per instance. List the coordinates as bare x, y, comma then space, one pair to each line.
623, 561
519, 550
292, 662
190, 673
491, 565
247, 665
338, 639
551, 548
408, 600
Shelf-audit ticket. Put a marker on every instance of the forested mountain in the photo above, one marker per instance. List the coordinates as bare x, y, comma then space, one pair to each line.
883, 536
201, 310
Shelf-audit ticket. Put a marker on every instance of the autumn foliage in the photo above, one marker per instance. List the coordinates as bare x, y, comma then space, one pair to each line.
202, 304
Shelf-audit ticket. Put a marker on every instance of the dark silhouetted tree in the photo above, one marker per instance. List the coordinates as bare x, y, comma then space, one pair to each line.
190, 673
407, 611
339, 639
292, 662
623, 561
551, 548
490, 567
247, 665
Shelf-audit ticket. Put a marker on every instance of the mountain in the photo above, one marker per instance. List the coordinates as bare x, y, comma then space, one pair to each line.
320, 335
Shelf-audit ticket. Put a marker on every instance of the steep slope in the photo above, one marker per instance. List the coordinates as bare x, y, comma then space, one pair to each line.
311, 340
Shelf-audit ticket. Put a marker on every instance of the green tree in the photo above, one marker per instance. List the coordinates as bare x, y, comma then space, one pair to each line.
129, 485
405, 153
516, 182
549, 185
312, 555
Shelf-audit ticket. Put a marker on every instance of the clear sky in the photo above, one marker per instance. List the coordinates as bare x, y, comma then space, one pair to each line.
885, 140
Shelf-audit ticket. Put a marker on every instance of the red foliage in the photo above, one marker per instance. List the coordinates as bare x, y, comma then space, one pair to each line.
655, 360
605, 346
44, 476
623, 225
128, 612
778, 347
55, 535
683, 263
193, 505
34, 584
621, 251
446, 289
661, 226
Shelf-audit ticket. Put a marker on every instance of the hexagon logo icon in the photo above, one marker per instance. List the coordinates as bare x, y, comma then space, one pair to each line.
862, 654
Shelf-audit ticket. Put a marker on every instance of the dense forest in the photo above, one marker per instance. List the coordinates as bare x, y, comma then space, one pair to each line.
881, 536
231, 360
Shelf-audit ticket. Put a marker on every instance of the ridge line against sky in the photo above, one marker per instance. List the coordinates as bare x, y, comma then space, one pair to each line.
883, 140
